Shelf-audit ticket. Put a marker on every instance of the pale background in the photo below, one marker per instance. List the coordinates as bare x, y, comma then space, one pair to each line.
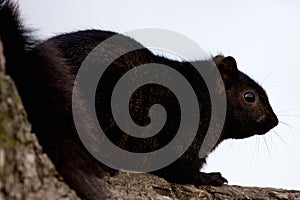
262, 35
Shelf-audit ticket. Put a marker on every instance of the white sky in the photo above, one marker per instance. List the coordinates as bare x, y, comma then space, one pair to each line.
263, 36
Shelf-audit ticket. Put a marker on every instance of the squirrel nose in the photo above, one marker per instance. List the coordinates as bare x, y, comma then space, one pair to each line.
268, 121
274, 120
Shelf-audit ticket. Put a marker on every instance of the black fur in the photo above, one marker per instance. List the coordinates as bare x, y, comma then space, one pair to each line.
44, 74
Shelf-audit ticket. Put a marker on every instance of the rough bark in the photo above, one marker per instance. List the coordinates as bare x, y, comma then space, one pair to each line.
27, 173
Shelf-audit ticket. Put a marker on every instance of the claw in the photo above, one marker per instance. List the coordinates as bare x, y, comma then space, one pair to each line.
224, 180
214, 179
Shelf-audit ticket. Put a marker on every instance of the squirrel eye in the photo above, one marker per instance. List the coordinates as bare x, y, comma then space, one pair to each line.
249, 97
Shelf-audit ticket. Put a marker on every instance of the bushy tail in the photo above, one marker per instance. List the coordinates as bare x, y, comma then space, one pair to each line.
14, 37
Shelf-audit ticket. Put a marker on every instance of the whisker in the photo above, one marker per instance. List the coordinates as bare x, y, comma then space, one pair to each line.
271, 138
288, 110
280, 137
285, 144
267, 146
290, 126
266, 77
289, 115
257, 154
253, 154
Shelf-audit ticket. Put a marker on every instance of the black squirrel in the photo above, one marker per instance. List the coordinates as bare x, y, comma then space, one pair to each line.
44, 73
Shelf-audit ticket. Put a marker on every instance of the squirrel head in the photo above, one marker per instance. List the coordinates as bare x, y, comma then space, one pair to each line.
248, 109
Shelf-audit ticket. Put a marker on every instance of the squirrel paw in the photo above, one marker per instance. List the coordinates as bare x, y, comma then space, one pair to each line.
214, 179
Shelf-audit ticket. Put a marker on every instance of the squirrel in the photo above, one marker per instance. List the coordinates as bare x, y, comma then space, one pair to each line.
44, 74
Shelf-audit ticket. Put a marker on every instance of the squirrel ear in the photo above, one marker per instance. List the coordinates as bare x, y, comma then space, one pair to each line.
228, 69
